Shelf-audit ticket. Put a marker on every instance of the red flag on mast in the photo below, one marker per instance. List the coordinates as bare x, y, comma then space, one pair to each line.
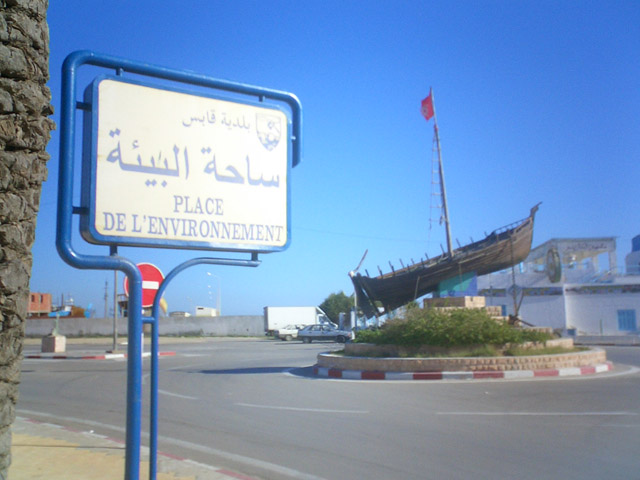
427, 107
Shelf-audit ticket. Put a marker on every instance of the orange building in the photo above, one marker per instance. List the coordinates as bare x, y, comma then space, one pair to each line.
39, 303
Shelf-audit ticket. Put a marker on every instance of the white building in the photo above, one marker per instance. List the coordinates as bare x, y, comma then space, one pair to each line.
571, 285
632, 260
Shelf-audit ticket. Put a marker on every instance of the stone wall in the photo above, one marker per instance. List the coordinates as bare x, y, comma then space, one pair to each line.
24, 134
224, 326
626, 340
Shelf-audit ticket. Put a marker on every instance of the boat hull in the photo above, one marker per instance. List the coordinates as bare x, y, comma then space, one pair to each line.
499, 250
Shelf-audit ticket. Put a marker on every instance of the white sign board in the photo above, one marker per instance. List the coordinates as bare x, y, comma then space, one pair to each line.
176, 169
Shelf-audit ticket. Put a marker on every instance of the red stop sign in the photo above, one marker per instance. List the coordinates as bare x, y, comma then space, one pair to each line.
151, 279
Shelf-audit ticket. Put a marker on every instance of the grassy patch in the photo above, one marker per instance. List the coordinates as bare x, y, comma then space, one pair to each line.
488, 351
453, 328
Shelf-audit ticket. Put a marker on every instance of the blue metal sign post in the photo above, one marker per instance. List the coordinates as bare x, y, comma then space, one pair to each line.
241, 233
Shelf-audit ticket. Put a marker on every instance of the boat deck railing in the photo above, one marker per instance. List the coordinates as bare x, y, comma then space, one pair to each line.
515, 224
508, 227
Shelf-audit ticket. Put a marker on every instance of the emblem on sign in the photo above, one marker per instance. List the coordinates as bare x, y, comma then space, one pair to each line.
268, 129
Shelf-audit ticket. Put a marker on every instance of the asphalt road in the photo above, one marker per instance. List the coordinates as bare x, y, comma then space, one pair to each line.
254, 407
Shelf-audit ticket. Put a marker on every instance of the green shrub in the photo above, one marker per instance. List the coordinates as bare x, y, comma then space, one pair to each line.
452, 328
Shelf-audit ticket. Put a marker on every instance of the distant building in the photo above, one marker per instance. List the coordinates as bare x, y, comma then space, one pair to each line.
572, 285
123, 305
632, 261
39, 304
206, 312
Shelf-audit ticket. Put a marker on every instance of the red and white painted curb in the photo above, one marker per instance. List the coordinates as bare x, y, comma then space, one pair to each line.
106, 356
481, 375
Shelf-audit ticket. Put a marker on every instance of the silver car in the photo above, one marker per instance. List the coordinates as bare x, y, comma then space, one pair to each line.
288, 333
323, 332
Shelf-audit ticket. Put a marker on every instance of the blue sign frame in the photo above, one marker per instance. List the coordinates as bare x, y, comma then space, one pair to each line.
66, 210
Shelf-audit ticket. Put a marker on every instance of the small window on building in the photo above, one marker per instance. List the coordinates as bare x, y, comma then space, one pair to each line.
627, 320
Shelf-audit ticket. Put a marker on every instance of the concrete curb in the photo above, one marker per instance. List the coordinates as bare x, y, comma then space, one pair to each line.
479, 375
106, 356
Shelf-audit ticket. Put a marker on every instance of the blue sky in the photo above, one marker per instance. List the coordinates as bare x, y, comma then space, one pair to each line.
537, 101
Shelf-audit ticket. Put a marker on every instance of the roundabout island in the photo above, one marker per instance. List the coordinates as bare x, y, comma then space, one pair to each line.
364, 362
458, 343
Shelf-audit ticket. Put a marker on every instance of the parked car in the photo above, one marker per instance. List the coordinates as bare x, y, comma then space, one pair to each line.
288, 333
324, 332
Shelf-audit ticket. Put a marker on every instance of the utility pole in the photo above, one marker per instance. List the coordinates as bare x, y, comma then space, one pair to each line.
106, 289
115, 310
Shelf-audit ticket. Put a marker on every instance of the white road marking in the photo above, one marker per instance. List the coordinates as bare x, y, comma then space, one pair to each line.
165, 392
540, 414
171, 394
299, 409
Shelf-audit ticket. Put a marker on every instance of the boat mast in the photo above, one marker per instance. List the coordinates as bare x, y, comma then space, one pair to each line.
441, 173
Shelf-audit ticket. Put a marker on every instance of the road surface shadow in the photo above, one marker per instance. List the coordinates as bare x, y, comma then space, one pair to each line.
297, 371
246, 371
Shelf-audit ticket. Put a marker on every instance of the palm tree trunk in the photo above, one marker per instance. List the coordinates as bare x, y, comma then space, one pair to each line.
25, 105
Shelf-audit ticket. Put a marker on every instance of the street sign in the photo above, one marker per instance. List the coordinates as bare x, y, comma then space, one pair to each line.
174, 169
151, 279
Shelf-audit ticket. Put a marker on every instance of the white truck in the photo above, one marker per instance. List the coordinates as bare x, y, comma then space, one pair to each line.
276, 318
206, 312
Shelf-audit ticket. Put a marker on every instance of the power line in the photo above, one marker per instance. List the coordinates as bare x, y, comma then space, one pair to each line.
358, 235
